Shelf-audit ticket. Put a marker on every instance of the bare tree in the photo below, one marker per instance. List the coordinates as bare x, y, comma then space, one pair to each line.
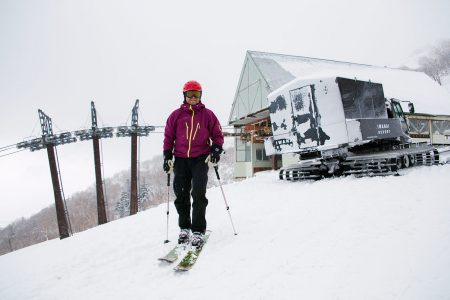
437, 63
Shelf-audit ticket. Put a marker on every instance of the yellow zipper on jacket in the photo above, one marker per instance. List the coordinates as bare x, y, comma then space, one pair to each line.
196, 128
190, 134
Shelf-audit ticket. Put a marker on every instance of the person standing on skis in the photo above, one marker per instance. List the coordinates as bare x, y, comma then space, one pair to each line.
194, 136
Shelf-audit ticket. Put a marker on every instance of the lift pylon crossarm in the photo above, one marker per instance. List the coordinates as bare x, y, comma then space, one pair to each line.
58, 139
144, 130
84, 135
88, 134
64, 138
127, 131
34, 144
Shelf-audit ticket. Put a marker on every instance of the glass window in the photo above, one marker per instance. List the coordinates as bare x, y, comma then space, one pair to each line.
418, 126
243, 149
362, 99
261, 155
441, 127
398, 113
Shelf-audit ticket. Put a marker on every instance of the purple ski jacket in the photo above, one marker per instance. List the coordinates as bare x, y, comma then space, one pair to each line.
190, 130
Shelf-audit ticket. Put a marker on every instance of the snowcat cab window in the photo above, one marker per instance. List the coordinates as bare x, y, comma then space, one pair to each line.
397, 108
390, 115
362, 99
398, 113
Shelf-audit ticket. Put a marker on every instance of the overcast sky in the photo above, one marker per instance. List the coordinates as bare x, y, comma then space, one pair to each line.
59, 55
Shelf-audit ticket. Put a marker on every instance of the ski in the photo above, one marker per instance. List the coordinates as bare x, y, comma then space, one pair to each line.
188, 261
173, 254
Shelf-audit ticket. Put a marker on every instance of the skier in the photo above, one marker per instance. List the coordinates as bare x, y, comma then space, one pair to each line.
194, 136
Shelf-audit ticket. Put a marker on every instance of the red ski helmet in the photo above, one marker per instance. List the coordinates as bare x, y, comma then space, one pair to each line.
192, 86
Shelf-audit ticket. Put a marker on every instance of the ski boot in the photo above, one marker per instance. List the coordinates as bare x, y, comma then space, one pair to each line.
197, 239
184, 236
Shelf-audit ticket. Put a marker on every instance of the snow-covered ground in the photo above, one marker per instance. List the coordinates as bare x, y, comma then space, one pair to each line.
344, 238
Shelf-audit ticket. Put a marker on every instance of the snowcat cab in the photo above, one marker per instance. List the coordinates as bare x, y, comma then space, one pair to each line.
330, 122
397, 112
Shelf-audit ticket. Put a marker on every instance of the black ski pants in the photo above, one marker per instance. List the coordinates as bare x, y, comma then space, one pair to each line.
191, 177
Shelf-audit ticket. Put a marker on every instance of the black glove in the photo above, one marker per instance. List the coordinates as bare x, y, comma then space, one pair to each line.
216, 150
168, 156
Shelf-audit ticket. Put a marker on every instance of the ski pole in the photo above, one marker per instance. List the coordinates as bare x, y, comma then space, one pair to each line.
168, 195
224, 199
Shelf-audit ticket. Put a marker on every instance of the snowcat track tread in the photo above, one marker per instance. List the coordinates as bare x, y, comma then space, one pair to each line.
382, 163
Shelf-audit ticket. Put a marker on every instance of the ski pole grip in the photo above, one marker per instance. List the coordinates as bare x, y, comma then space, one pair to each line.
217, 172
168, 179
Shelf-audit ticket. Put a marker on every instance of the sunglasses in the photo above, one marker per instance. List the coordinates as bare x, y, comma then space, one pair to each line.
196, 94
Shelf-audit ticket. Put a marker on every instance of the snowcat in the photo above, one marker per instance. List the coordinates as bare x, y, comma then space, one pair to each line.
341, 126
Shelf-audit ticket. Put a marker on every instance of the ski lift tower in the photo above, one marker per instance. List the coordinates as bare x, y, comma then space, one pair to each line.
96, 134
49, 141
134, 131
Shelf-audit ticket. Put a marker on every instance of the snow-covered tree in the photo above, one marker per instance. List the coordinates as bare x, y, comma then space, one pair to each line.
437, 63
144, 196
123, 205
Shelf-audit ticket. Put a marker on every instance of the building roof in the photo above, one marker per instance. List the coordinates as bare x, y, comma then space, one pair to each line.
278, 69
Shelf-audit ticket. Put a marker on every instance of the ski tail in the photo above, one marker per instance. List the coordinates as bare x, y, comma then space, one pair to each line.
172, 255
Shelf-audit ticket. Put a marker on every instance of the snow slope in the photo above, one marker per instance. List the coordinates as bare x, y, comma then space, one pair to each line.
344, 238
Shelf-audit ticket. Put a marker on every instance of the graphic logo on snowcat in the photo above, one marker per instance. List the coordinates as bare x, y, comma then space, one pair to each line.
304, 120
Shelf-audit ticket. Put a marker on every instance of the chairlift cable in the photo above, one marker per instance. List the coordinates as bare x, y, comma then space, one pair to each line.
12, 152
9, 147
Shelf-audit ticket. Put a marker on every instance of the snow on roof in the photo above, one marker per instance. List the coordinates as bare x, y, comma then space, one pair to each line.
427, 95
